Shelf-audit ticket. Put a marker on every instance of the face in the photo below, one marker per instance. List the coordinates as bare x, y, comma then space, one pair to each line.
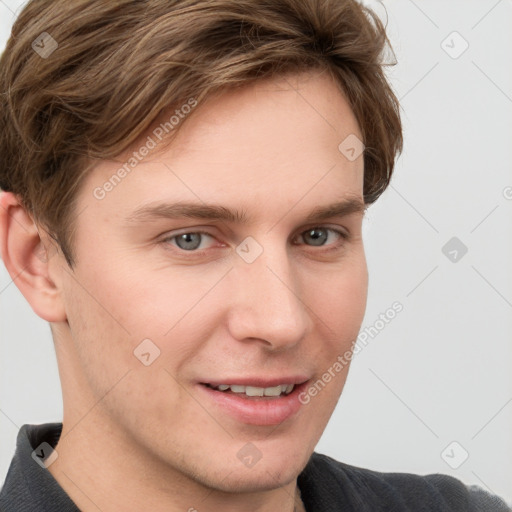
162, 307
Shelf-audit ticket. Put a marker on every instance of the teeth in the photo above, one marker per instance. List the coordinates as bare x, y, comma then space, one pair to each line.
255, 391
252, 391
275, 391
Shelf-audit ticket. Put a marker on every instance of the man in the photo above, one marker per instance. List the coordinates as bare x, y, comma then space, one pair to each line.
184, 188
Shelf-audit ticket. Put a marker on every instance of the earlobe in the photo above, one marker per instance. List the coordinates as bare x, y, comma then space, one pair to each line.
27, 258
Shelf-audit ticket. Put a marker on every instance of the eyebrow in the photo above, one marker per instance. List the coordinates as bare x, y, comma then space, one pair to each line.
213, 212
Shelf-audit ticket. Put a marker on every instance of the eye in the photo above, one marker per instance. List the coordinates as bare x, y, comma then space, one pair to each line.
190, 241
317, 236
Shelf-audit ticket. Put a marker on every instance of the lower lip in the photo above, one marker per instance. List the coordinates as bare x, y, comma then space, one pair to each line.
256, 410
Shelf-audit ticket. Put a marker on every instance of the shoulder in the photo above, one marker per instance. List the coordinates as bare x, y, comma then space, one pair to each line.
339, 484
29, 486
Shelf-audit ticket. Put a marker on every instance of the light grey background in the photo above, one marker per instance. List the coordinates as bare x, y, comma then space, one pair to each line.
439, 372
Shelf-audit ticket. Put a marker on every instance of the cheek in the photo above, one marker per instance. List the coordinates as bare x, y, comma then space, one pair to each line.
340, 302
112, 312
108, 322
101, 336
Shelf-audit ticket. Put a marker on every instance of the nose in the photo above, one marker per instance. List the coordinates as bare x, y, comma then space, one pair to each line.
267, 303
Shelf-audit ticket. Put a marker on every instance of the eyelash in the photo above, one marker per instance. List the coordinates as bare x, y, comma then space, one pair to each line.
333, 247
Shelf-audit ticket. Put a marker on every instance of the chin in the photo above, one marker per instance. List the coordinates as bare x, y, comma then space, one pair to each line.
270, 472
253, 480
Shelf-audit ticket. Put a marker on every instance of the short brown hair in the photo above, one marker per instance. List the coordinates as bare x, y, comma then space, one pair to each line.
120, 63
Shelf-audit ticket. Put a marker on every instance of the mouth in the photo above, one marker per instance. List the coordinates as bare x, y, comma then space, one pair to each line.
255, 402
254, 391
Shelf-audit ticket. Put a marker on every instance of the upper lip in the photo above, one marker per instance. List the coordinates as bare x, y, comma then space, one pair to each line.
257, 382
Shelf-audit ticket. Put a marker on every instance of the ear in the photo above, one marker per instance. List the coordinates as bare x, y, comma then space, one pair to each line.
27, 259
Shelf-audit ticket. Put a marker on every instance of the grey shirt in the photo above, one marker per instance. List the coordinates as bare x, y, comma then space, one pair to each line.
326, 485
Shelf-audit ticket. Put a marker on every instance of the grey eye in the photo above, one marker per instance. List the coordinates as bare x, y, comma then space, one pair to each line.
188, 241
317, 236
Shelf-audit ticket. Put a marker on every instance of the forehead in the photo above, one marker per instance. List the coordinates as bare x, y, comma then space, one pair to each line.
273, 141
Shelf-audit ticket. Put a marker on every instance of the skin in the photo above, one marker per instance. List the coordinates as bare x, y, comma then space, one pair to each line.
139, 437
